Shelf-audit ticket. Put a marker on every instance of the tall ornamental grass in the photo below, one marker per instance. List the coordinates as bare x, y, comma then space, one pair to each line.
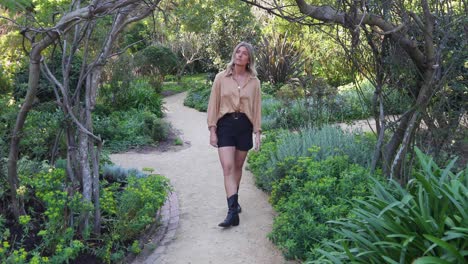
426, 222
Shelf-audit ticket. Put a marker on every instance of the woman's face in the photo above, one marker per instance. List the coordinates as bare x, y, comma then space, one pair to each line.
242, 56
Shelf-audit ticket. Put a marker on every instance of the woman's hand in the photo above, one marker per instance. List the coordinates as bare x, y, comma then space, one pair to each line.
213, 139
258, 141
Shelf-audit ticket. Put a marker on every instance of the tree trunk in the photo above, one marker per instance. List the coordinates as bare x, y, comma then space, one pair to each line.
13, 155
392, 146
96, 191
180, 72
91, 89
87, 185
380, 126
126, 12
72, 157
396, 170
34, 73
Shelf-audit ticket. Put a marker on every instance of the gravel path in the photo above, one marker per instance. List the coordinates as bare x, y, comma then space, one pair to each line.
197, 178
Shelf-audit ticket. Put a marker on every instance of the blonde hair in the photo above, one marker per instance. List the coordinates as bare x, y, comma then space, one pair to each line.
251, 65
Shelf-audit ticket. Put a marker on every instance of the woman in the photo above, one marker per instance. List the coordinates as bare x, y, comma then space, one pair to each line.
234, 113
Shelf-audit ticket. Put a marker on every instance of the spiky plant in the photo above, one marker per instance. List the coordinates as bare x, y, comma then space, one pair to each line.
278, 59
424, 222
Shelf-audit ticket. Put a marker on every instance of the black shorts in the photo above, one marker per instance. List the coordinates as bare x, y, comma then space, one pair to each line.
235, 130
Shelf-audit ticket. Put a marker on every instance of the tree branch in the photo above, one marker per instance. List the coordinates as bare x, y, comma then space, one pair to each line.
125, 48
67, 106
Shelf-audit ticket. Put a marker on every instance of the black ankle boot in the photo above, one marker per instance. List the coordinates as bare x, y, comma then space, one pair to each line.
232, 218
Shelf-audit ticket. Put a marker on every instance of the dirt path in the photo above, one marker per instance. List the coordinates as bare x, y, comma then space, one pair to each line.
196, 175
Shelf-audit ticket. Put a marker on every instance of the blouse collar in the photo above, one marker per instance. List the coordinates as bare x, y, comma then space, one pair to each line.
230, 71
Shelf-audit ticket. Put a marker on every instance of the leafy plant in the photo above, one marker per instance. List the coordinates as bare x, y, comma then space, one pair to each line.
278, 59
156, 60
270, 112
309, 101
129, 202
120, 77
138, 204
123, 129
426, 222
45, 91
158, 129
269, 164
40, 130
198, 96
172, 85
139, 94
260, 163
306, 199
114, 173
178, 142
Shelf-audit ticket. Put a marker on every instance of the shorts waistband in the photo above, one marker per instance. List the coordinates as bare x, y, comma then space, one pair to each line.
235, 115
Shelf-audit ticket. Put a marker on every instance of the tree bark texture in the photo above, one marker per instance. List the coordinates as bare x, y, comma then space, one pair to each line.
13, 155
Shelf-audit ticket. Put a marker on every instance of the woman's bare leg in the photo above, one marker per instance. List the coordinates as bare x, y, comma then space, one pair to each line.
239, 159
227, 158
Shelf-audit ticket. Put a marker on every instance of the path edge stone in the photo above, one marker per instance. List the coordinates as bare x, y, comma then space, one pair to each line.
157, 244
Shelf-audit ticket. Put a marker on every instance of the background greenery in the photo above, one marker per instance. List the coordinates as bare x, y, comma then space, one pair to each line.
424, 222
309, 83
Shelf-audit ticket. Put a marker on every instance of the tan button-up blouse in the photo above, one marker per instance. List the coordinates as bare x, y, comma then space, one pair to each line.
227, 97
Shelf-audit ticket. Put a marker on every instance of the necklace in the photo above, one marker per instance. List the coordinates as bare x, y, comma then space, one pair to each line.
238, 81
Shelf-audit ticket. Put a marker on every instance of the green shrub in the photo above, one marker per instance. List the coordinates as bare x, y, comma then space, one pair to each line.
307, 198
123, 129
270, 163
139, 94
178, 142
324, 104
40, 130
198, 97
260, 162
142, 96
49, 208
138, 205
156, 59
269, 89
48, 187
303, 112
129, 202
45, 90
120, 74
426, 222
174, 85
157, 129
114, 173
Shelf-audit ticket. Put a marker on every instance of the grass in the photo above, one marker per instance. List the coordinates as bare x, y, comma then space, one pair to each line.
171, 86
